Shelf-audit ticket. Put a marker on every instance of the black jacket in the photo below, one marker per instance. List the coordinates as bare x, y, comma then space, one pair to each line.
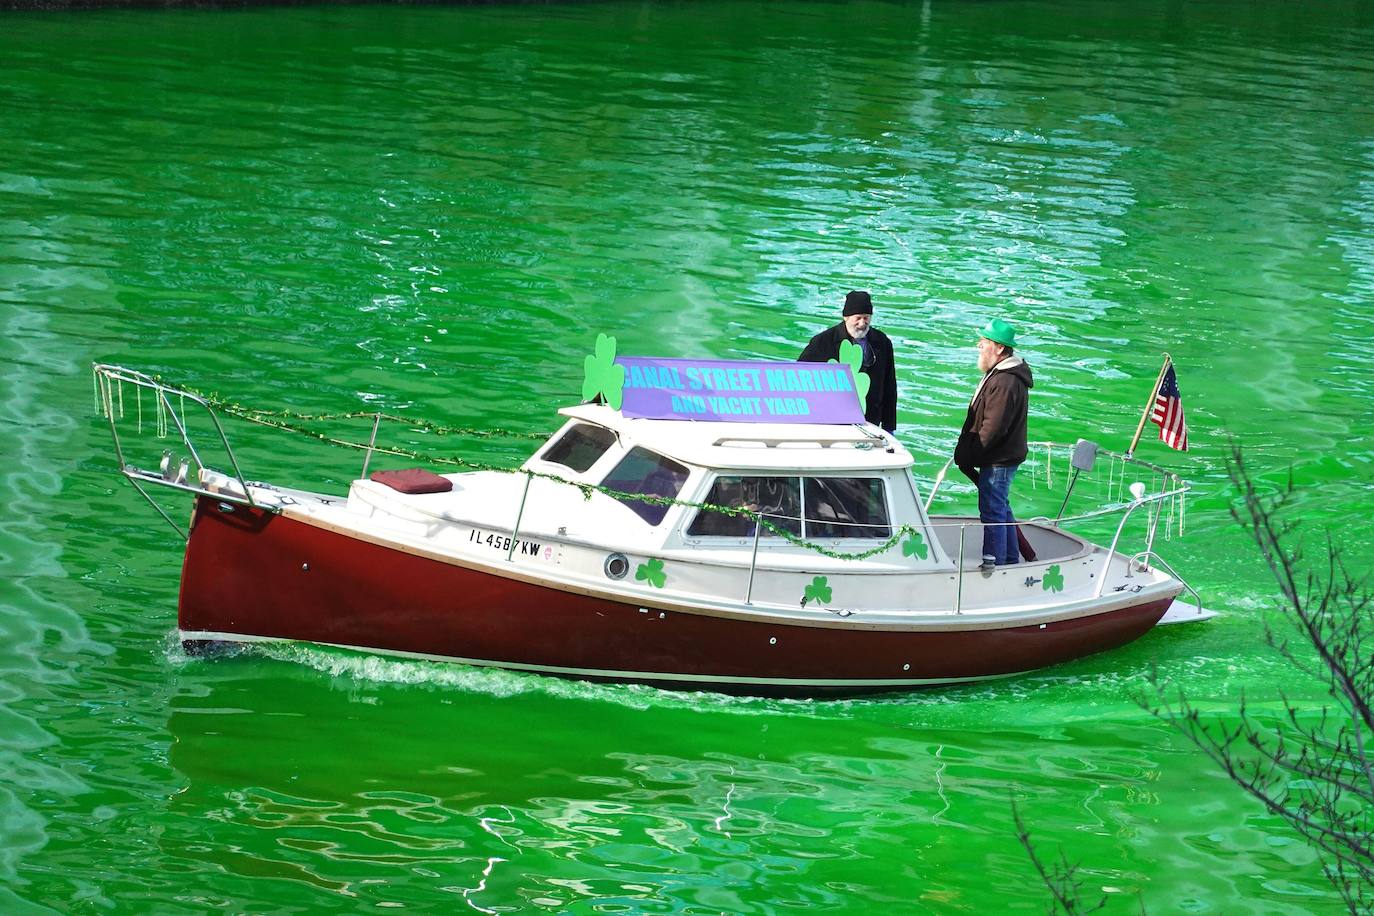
994, 431
881, 407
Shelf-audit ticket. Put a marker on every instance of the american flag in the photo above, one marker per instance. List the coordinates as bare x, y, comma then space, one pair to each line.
1168, 412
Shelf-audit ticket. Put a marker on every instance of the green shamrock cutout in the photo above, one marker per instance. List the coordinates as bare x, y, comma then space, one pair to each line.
852, 354
915, 546
652, 572
1054, 579
817, 591
602, 375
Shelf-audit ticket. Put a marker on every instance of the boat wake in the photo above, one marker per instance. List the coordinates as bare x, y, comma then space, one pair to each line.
360, 667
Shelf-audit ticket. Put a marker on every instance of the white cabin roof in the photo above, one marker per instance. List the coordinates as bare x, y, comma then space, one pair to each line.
756, 446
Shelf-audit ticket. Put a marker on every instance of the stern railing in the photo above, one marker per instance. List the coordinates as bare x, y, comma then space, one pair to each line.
1174, 488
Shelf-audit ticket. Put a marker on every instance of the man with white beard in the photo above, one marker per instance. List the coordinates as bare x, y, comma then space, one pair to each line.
856, 326
992, 443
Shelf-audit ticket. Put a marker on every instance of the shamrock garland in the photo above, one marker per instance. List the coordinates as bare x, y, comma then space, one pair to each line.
285, 420
602, 375
818, 591
277, 422
853, 355
652, 572
1054, 579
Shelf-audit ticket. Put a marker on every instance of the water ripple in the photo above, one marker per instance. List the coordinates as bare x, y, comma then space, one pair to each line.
434, 210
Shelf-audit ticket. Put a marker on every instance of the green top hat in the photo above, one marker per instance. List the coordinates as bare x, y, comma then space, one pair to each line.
998, 331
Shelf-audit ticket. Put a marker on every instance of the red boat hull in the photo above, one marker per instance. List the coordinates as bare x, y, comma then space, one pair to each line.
251, 574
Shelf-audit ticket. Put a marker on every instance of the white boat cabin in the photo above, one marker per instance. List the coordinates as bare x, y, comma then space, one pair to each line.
843, 487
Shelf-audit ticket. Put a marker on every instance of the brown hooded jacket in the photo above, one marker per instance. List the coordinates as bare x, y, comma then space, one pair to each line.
994, 431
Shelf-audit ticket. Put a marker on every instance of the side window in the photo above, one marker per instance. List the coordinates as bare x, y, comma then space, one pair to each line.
777, 498
839, 507
580, 446
649, 474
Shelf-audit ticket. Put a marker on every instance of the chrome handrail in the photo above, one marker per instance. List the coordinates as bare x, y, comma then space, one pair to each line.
1098, 513
939, 479
1120, 456
1144, 556
519, 515
1179, 488
959, 573
753, 564
371, 444
1111, 551
964, 524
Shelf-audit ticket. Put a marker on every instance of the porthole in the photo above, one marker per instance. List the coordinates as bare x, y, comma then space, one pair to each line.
617, 565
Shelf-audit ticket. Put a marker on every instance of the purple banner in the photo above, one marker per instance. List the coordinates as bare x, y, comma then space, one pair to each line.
739, 391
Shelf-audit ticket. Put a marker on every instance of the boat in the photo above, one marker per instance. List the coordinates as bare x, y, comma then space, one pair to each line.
679, 530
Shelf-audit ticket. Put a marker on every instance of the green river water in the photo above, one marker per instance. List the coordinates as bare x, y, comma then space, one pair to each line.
434, 210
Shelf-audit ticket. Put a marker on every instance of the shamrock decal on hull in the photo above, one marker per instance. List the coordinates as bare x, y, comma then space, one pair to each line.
818, 591
602, 375
853, 355
1054, 579
652, 572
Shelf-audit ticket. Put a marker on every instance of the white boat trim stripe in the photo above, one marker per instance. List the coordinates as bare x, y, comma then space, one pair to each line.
604, 672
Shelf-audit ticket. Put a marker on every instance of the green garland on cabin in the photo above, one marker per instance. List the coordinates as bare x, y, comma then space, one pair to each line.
587, 489
915, 544
283, 420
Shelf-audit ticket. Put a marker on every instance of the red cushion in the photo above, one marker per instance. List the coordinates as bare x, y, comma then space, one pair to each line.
413, 480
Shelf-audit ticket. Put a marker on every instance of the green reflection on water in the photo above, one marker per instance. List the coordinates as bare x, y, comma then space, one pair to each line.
434, 211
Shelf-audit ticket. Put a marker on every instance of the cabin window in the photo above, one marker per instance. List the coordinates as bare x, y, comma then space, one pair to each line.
648, 474
778, 499
580, 446
846, 507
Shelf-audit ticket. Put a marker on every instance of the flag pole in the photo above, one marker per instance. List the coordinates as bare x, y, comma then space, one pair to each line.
1149, 406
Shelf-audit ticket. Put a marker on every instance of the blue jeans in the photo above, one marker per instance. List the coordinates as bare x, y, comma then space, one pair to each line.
999, 541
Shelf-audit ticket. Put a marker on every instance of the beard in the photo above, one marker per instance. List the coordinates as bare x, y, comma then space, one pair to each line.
987, 360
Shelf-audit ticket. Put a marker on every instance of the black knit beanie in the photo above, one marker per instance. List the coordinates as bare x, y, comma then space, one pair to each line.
858, 302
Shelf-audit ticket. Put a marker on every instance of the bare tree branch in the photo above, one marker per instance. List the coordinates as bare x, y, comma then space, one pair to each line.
1061, 879
1314, 772
1310, 767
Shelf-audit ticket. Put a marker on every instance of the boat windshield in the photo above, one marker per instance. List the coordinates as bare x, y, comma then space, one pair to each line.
580, 447
778, 499
846, 507
836, 507
649, 474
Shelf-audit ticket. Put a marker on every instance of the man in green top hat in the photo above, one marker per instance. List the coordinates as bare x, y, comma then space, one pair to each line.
992, 443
